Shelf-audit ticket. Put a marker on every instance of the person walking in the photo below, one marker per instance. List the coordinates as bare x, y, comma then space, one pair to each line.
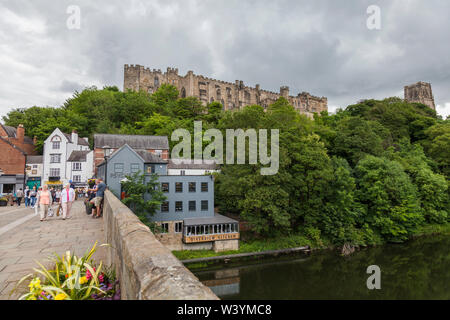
66, 200
57, 196
27, 196
45, 201
33, 195
100, 193
19, 196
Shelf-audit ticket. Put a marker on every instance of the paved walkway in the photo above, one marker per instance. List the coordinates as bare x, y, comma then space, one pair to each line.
24, 239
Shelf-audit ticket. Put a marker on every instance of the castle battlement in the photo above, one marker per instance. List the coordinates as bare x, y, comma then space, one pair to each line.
232, 95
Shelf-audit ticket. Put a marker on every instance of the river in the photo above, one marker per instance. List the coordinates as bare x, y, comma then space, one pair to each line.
419, 269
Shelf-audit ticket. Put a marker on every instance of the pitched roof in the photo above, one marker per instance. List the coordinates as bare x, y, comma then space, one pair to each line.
11, 132
78, 156
150, 157
137, 142
81, 141
205, 165
13, 145
35, 159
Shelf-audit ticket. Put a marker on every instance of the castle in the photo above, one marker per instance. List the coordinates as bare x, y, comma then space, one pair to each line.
231, 95
420, 92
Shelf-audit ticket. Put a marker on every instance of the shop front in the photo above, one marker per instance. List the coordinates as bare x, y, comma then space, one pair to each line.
210, 229
34, 182
11, 183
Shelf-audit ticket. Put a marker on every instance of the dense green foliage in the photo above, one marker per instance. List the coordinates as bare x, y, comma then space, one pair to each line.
374, 172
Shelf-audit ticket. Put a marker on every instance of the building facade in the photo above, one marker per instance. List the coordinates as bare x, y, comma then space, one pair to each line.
187, 217
80, 167
34, 171
420, 92
231, 95
15, 148
58, 148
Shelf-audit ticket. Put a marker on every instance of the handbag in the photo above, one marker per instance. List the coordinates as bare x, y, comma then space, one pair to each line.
50, 212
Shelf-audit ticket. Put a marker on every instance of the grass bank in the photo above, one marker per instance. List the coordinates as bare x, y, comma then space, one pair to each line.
249, 244
256, 245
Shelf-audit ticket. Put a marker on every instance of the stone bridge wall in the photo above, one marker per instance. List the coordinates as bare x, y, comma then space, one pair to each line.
145, 268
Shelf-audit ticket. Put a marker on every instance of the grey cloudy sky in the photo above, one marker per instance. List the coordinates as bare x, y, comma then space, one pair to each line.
323, 47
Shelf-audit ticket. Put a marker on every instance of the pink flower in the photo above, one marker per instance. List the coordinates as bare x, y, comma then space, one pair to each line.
101, 278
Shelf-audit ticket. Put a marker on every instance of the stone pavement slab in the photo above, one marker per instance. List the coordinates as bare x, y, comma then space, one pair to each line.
34, 240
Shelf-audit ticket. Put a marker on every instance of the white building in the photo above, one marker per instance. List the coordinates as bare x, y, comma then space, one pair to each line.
191, 168
34, 171
58, 149
80, 167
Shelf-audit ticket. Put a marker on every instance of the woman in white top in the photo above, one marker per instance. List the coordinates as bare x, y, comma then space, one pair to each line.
66, 199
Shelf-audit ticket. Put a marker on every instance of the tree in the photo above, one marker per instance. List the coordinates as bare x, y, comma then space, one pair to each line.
356, 137
143, 197
389, 196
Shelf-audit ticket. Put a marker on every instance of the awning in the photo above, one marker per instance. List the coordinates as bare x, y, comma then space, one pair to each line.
54, 182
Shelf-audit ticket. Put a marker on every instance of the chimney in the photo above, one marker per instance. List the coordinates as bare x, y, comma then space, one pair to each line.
74, 137
20, 134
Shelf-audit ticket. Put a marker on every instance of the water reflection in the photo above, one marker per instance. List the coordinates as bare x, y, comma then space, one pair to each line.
419, 269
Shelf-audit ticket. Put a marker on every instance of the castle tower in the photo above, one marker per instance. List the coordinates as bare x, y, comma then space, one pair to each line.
284, 91
420, 92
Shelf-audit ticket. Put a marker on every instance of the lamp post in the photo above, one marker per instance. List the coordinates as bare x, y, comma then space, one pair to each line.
106, 170
106, 162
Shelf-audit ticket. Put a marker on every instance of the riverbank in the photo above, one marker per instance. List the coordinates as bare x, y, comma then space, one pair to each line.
288, 242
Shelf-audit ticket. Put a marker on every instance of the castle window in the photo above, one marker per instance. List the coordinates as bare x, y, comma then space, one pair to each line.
183, 92
247, 97
156, 82
219, 94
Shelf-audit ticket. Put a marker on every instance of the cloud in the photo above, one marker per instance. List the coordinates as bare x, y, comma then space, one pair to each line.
322, 47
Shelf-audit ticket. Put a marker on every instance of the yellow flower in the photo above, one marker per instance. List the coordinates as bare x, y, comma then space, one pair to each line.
83, 280
61, 296
35, 284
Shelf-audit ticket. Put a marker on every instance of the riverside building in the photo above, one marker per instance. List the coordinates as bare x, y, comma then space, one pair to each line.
187, 217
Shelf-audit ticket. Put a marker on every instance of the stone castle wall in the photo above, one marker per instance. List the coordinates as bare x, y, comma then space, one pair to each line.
420, 92
231, 95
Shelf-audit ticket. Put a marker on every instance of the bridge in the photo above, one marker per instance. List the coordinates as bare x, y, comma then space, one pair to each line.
144, 267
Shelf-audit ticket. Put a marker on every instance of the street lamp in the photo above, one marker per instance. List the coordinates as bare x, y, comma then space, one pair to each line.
106, 162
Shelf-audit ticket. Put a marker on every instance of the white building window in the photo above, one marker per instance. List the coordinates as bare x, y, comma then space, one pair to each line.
76, 178
56, 145
76, 166
54, 172
55, 158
